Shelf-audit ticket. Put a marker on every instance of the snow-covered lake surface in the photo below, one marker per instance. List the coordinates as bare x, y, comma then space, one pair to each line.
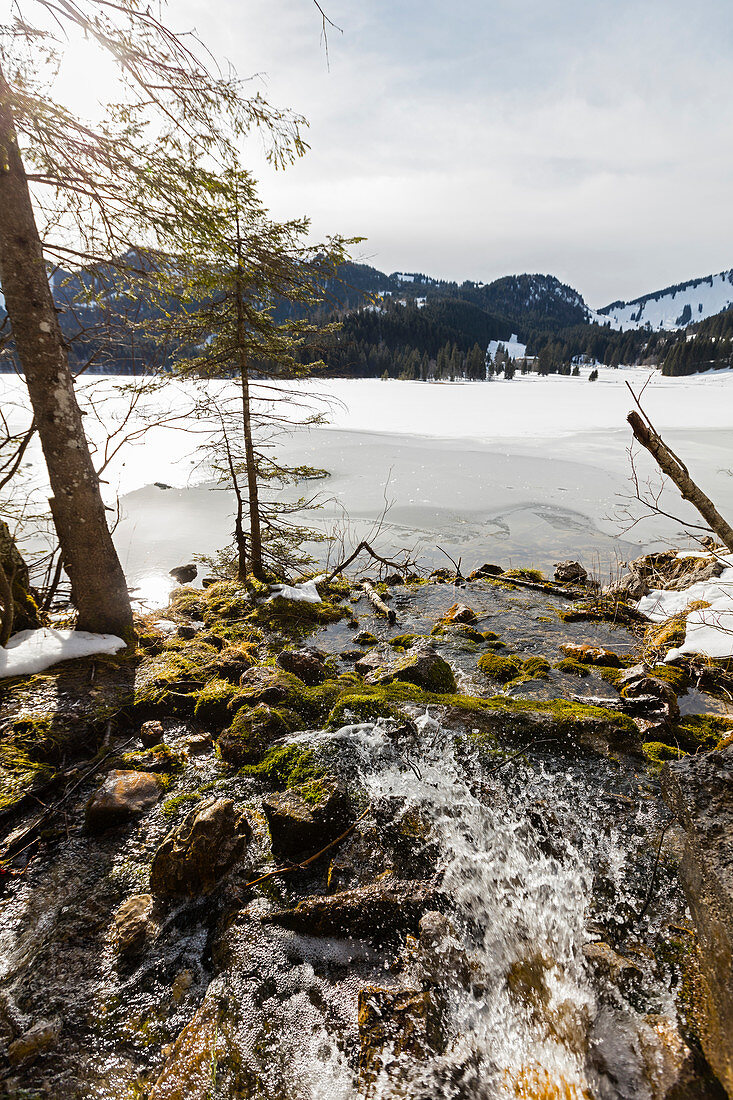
523, 472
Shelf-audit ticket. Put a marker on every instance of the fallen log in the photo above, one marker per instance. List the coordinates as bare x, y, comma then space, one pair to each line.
378, 603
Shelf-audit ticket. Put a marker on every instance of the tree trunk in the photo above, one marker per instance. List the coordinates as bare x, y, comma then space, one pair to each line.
25, 614
670, 465
98, 584
255, 533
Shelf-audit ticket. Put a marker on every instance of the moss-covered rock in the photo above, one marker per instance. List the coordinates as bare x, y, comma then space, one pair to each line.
284, 766
351, 709
157, 759
572, 667
193, 857
306, 818
424, 668
657, 753
252, 730
501, 669
459, 632
215, 701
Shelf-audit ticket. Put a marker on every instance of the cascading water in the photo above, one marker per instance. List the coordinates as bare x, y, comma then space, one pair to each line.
514, 867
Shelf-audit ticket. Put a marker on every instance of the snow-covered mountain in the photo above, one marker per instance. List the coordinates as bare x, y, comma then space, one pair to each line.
672, 308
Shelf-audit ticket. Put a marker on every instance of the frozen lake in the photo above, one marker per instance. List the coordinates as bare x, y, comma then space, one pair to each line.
523, 472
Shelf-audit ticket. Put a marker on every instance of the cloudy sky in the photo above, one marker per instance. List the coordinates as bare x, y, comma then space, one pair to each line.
590, 139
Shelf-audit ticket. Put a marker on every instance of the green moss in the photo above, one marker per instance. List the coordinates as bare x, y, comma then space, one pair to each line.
609, 674
678, 678
171, 806
360, 708
252, 730
19, 774
657, 753
602, 609
159, 758
461, 631
295, 618
490, 636
502, 669
572, 667
702, 731
526, 574
537, 668
284, 766
666, 635
215, 700
403, 641
163, 681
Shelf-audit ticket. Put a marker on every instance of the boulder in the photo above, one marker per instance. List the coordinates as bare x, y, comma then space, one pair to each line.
252, 730
612, 966
379, 912
674, 1071
269, 685
460, 613
397, 1028
394, 579
122, 796
307, 818
422, 666
376, 658
303, 664
570, 572
359, 860
366, 638
628, 587
184, 574
699, 790
198, 744
659, 690
151, 733
490, 570
197, 853
133, 926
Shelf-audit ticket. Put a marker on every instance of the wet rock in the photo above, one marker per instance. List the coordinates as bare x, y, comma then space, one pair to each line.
253, 729
658, 690
181, 985
184, 574
490, 570
198, 744
351, 654
591, 655
375, 659
460, 613
612, 966
397, 1028
571, 572
233, 662
394, 579
366, 638
133, 926
42, 1036
195, 855
303, 664
422, 666
376, 912
627, 587
151, 733
122, 796
699, 790
359, 860
187, 1071
441, 956
673, 1070
307, 818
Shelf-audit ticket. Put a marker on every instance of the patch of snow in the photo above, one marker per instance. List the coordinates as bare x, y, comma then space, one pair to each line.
32, 651
709, 630
301, 593
673, 308
512, 346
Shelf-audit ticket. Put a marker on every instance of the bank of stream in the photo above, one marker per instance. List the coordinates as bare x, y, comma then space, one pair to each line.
493, 909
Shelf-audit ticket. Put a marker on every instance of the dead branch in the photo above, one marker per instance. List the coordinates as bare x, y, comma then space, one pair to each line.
401, 567
378, 603
649, 438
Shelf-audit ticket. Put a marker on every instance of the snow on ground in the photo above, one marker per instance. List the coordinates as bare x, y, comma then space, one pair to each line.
300, 593
672, 309
32, 651
710, 629
513, 348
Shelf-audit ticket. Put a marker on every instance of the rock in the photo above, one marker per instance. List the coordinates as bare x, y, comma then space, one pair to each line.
394, 579
442, 958
650, 686
122, 796
181, 985
422, 666
197, 853
40, 1037
187, 631
303, 664
591, 655
151, 733
269, 685
376, 912
132, 925
673, 1070
198, 744
699, 790
207, 582
628, 587
365, 637
358, 861
490, 570
612, 966
251, 732
305, 819
571, 572
459, 613
379, 657
397, 1028
184, 574
233, 662
351, 654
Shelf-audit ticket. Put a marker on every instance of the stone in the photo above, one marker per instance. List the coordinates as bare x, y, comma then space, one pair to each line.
133, 926
659, 690
460, 613
380, 911
571, 572
365, 637
198, 852
422, 666
187, 631
181, 985
612, 966
184, 574
591, 655
673, 1070
31, 1043
397, 1028
442, 958
358, 861
307, 818
151, 733
376, 658
251, 732
351, 654
269, 685
394, 579
303, 664
628, 587
198, 744
699, 791
122, 796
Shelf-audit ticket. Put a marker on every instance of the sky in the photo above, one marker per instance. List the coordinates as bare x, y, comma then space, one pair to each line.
588, 139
